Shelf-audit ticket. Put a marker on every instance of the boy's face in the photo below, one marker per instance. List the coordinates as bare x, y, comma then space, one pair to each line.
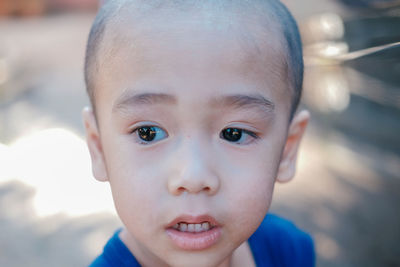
193, 124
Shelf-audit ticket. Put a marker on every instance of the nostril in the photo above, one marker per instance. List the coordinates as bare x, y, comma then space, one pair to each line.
181, 189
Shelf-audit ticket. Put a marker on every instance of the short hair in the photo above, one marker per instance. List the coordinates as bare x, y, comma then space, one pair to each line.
278, 11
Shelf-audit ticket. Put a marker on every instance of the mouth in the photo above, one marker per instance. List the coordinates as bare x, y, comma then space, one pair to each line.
194, 232
193, 227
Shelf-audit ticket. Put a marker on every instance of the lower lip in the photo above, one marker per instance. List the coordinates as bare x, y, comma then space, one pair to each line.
194, 241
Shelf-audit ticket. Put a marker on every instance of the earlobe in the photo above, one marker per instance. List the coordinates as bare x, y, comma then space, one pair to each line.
287, 167
94, 144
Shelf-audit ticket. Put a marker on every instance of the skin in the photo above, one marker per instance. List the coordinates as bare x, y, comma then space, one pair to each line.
180, 76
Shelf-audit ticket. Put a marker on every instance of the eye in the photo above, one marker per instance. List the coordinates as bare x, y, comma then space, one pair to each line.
148, 134
239, 136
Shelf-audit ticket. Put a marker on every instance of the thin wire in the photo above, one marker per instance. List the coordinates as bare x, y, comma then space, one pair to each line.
317, 61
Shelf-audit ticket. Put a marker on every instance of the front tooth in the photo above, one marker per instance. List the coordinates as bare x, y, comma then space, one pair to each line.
183, 227
190, 227
205, 226
197, 227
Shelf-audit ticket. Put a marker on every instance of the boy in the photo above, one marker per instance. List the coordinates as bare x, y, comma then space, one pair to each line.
193, 121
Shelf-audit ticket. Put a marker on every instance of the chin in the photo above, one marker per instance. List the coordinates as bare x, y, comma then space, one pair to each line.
195, 259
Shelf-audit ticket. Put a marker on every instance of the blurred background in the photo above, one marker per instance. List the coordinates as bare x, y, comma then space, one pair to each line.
347, 190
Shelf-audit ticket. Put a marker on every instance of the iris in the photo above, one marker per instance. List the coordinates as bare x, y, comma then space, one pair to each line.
232, 134
150, 133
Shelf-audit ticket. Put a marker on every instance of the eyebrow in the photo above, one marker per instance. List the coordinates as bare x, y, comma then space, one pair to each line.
241, 101
127, 100
238, 101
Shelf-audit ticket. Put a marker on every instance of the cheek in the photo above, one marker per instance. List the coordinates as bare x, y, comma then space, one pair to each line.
250, 180
132, 196
251, 198
249, 205
135, 187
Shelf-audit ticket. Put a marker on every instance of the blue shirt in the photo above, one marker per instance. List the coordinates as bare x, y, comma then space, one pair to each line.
276, 243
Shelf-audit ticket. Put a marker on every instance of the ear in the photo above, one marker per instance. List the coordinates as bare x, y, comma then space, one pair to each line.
287, 167
94, 144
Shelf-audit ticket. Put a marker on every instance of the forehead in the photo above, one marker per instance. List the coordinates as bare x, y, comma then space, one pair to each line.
181, 49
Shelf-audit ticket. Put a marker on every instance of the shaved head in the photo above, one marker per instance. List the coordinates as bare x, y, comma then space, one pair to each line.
270, 16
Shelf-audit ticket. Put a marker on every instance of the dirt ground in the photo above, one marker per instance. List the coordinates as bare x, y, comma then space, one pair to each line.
346, 193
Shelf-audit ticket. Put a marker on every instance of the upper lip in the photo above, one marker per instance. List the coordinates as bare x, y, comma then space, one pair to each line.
190, 219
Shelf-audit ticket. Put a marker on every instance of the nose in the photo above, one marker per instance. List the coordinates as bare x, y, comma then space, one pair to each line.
193, 173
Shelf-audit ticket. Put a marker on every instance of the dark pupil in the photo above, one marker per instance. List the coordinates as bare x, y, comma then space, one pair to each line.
147, 133
232, 134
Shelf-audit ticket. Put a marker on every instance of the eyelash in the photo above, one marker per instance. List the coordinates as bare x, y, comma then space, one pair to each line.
225, 134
